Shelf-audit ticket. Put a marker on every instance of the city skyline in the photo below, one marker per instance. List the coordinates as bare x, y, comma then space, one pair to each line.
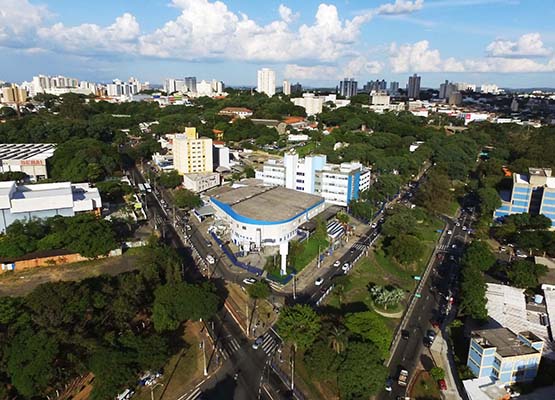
506, 42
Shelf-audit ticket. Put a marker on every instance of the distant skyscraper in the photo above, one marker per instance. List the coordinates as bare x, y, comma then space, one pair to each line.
375, 86
266, 82
514, 105
413, 87
348, 87
296, 88
446, 88
286, 87
393, 88
191, 84
455, 98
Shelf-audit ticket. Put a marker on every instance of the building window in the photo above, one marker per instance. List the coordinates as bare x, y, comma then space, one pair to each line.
497, 362
244, 227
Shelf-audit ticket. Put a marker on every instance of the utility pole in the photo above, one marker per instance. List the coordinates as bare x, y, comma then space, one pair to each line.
247, 327
294, 286
319, 258
293, 367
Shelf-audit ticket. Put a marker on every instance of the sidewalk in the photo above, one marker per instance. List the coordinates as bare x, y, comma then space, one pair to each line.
439, 352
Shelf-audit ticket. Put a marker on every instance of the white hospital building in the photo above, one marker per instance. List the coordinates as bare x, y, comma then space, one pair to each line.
337, 183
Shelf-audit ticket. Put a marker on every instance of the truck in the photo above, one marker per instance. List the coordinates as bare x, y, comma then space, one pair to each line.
403, 377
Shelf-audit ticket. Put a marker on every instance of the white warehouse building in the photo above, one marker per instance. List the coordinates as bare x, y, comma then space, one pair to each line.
337, 183
261, 216
45, 200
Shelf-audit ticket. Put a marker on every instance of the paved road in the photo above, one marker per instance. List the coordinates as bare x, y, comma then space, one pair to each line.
432, 306
245, 372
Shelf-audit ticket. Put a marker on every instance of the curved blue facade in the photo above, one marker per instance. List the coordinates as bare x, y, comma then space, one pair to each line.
246, 220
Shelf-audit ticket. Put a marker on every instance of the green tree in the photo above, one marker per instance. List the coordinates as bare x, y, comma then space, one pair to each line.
401, 221
30, 362
370, 326
83, 160
406, 249
259, 290
489, 200
434, 194
321, 362
362, 372
184, 198
473, 294
174, 304
478, 255
170, 180
113, 370
337, 337
437, 373
299, 325
525, 274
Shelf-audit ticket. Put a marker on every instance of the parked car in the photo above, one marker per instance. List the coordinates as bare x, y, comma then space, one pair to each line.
337, 263
430, 337
319, 281
257, 343
405, 334
249, 281
389, 384
403, 377
210, 259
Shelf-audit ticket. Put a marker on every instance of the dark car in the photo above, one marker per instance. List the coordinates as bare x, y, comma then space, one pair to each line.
405, 334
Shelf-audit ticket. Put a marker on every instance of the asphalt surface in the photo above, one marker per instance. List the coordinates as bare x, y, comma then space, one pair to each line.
245, 373
431, 310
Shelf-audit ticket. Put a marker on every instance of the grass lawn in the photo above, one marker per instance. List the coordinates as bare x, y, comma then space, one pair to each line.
310, 251
425, 388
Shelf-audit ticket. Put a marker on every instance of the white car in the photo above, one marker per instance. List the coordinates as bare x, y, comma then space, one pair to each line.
249, 281
458, 224
337, 263
346, 267
210, 259
449, 232
464, 228
373, 225
319, 281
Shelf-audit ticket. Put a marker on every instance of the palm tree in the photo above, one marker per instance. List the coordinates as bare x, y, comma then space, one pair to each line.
386, 296
338, 339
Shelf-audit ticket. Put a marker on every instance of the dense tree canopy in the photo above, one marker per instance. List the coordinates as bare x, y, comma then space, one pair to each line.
85, 234
83, 160
299, 325
176, 303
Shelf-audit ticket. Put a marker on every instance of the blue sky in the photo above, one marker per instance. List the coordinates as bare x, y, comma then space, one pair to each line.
507, 42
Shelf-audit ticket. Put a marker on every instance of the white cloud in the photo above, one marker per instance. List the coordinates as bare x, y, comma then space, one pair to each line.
400, 7
361, 66
414, 57
287, 14
419, 57
93, 39
317, 72
209, 30
529, 45
18, 19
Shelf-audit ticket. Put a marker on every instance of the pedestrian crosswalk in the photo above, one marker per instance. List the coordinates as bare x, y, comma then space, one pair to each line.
194, 395
230, 346
360, 246
269, 343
